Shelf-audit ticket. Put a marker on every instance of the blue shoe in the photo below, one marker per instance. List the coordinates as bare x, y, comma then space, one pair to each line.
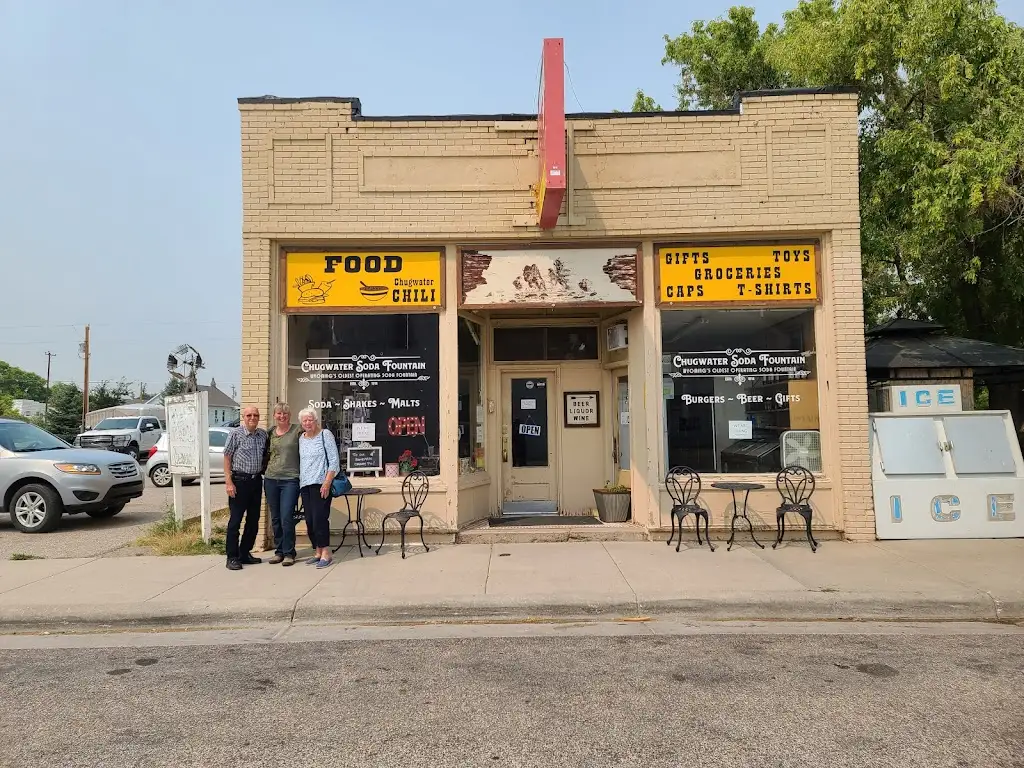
324, 564
313, 561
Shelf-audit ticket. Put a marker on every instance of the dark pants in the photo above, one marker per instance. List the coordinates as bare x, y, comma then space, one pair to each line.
318, 516
248, 495
282, 496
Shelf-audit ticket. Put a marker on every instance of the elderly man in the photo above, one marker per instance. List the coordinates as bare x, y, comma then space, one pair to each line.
244, 464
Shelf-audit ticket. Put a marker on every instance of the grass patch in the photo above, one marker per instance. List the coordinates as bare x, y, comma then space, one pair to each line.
23, 556
169, 537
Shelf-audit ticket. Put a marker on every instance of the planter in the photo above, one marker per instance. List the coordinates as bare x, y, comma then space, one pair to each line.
612, 506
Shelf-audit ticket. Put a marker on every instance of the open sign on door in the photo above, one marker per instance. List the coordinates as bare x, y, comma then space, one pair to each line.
531, 430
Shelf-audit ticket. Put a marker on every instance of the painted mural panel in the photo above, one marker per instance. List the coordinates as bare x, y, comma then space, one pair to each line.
558, 276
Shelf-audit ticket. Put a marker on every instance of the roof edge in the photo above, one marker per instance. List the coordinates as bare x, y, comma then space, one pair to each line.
357, 108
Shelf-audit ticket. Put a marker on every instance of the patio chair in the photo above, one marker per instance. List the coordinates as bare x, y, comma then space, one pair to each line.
683, 485
796, 486
415, 488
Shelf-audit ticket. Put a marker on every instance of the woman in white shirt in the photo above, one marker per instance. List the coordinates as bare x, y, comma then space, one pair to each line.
319, 464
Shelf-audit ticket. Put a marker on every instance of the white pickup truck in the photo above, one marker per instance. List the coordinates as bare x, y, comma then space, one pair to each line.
132, 435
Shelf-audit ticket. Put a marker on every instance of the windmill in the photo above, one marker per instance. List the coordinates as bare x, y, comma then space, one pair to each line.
183, 363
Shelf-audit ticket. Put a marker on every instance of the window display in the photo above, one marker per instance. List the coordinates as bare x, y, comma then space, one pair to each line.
734, 381
374, 380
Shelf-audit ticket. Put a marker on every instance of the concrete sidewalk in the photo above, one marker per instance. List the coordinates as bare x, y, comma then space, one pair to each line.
909, 580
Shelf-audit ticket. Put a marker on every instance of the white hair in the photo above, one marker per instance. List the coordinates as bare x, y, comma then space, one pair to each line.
309, 412
282, 407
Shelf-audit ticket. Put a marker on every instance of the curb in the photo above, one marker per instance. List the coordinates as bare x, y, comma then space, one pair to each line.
778, 607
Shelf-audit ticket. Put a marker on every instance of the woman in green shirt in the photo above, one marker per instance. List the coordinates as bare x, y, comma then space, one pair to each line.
281, 483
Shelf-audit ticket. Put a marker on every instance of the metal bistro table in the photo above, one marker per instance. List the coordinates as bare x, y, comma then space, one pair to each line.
733, 487
360, 494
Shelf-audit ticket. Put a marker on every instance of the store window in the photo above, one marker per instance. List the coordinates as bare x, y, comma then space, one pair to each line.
374, 380
740, 389
471, 401
542, 343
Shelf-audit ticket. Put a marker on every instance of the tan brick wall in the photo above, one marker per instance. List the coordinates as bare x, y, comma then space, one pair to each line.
785, 166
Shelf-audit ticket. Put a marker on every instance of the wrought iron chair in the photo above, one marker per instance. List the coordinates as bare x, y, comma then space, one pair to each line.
683, 485
415, 488
796, 486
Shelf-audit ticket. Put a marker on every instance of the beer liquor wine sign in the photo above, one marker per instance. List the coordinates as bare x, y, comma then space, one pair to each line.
737, 274
405, 281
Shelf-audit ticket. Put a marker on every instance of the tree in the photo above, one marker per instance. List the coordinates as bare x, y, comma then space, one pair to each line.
174, 387
941, 86
106, 395
21, 384
7, 408
644, 103
64, 416
719, 58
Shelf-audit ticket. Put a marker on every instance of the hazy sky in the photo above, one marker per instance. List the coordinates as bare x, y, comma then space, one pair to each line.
120, 202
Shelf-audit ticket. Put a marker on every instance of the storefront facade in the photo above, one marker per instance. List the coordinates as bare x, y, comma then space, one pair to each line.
697, 302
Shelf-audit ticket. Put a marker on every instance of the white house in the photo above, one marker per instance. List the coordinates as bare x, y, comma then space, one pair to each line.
223, 409
29, 408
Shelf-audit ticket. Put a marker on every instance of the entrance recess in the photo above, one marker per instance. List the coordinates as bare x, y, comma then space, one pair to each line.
621, 429
528, 446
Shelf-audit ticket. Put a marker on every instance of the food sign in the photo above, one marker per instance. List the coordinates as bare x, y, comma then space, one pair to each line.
404, 280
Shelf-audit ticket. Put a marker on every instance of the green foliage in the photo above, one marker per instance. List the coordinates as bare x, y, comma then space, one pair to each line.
7, 407
721, 57
941, 86
169, 537
107, 395
21, 385
644, 103
174, 387
64, 417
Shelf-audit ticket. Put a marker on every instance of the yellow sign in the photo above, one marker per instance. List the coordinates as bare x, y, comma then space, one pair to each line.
364, 280
738, 274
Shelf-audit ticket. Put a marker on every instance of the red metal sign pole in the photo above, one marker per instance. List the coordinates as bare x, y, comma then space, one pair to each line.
551, 133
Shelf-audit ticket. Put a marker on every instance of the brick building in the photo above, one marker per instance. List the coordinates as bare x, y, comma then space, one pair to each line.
698, 301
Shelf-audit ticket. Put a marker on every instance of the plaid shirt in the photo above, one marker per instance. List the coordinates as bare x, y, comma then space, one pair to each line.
245, 449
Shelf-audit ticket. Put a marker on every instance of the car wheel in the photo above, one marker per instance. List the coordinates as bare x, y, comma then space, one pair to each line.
106, 511
36, 509
160, 475
133, 451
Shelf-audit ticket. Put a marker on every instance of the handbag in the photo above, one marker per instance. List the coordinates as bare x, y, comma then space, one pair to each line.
341, 484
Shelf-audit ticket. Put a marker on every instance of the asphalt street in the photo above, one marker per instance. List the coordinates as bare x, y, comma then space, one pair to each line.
551, 695
83, 536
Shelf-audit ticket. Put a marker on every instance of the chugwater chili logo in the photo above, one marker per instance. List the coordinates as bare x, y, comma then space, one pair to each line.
356, 279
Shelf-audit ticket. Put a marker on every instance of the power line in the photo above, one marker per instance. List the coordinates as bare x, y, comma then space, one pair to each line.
573, 87
108, 325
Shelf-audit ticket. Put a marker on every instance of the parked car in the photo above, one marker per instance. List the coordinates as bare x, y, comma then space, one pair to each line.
43, 478
157, 465
131, 435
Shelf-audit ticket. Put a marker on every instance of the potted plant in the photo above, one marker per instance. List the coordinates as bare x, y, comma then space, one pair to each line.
612, 503
407, 463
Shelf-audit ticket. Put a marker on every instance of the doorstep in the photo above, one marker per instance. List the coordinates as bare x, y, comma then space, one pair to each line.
483, 533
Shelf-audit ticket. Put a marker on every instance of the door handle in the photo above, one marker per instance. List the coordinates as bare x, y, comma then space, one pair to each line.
504, 449
615, 450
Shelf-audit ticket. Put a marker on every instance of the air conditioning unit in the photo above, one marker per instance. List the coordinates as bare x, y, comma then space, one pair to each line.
617, 337
802, 447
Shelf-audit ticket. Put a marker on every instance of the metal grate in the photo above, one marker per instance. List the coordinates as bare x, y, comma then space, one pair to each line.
802, 448
121, 471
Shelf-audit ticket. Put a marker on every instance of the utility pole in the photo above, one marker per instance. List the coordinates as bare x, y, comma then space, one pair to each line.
46, 405
85, 391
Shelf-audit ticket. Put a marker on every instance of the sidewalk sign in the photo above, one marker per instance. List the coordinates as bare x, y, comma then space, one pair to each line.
188, 449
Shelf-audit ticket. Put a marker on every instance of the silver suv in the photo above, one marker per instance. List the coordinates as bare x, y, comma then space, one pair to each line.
42, 478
